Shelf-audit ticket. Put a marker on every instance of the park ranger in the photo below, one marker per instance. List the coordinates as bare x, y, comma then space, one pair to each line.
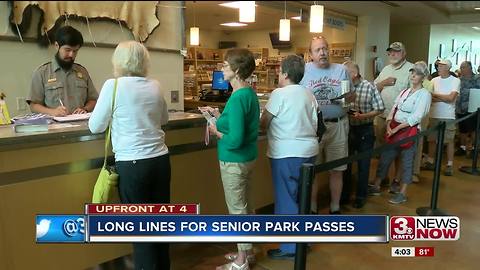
61, 87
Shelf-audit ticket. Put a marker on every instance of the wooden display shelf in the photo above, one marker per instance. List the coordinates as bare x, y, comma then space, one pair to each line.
190, 104
209, 60
204, 60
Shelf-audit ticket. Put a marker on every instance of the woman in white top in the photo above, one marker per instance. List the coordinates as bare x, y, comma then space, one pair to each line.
141, 156
290, 118
412, 105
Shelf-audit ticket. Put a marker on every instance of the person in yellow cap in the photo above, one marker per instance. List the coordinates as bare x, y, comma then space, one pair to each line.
61, 86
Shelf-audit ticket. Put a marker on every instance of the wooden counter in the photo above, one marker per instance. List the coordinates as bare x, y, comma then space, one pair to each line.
191, 104
54, 173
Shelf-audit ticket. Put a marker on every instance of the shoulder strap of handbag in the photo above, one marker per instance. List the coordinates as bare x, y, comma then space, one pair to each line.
107, 138
396, 106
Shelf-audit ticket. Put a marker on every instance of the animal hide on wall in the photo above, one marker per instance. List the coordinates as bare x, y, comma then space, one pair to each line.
139, 16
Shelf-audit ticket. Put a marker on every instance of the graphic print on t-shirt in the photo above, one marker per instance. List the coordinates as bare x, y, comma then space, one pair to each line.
325, 89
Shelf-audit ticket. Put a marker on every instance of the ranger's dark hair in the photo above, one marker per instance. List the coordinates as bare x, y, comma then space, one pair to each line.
68, 35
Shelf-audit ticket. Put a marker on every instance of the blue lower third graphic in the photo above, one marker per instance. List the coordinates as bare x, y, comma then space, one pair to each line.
237, 228
60, 229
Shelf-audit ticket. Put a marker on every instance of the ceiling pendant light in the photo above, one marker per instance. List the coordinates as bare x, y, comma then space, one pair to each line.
284, 34
247, 11
284, 30
194, 36
316, 18
194, 31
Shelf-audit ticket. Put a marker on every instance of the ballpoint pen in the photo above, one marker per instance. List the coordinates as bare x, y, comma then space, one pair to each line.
61, 103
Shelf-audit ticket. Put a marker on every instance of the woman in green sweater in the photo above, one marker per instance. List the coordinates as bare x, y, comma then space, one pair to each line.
237, 131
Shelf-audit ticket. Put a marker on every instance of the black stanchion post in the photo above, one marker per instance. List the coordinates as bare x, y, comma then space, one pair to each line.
433, 210
307, 173
473, 170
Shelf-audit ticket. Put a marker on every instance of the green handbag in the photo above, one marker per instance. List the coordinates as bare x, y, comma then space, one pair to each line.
107, 181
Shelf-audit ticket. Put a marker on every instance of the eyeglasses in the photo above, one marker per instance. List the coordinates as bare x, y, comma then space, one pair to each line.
325, 49
318, 37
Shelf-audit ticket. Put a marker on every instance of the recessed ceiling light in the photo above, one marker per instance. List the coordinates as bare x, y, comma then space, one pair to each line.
236, 4
476, 27
477, 8
234, 24
298, 18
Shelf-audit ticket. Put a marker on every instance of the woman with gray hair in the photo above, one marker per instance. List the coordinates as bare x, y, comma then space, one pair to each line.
237, 130
141, 157
410, 107
290, 119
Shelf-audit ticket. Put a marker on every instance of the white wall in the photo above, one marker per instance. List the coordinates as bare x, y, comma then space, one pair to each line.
416, 39
444, 33
423, 41
23, 58
373, 30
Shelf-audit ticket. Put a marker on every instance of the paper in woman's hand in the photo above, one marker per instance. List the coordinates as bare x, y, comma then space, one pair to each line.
207, 114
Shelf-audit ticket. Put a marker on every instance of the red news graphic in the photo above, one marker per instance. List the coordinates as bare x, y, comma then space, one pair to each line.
412, 228
142, 209
424, 251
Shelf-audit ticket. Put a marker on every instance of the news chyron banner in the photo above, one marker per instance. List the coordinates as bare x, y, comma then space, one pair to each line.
236, 228
108, 223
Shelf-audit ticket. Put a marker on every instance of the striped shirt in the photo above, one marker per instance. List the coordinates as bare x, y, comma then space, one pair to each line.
367, 99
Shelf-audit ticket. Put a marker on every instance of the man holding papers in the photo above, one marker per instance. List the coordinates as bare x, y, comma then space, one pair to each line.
61, 87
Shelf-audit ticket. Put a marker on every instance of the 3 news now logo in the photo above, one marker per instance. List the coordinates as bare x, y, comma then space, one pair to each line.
60, 229
414, 228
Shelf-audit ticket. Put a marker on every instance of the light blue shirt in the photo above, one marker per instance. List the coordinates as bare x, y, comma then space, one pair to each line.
326, 83
412, 108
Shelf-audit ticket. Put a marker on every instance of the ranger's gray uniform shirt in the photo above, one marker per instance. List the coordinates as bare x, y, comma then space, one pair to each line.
51, 83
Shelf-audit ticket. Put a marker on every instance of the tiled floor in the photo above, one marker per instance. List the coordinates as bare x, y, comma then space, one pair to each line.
459, 195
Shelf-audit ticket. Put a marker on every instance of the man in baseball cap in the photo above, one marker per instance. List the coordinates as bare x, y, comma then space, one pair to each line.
445, 62
445, 91
396, 46
393, 79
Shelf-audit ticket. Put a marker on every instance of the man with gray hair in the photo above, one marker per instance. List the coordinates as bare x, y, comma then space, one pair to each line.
368, 103
445, 91
468, 81
325, 80
393, 79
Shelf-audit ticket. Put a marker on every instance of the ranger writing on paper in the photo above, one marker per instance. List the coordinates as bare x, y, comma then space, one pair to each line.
61, 87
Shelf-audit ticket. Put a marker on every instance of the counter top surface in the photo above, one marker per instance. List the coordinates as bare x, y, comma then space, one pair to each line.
78, 131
